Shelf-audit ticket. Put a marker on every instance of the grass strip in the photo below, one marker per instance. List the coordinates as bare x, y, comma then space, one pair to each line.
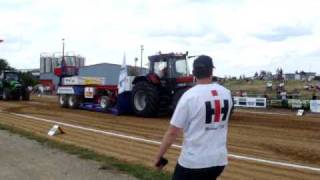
107, 163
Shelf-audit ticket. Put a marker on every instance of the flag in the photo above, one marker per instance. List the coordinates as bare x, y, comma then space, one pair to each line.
123, 77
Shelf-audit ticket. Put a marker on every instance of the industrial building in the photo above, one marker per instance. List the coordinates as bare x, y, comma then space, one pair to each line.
50, 62
110, 72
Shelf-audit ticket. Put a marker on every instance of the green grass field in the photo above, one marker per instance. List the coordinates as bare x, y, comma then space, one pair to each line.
258, 87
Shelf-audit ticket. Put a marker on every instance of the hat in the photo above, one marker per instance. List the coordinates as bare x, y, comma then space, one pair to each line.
203, 61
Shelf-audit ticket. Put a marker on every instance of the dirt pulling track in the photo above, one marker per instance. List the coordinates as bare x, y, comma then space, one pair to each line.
264, 136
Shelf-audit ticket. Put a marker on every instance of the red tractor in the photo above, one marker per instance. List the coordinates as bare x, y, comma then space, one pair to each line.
160, 90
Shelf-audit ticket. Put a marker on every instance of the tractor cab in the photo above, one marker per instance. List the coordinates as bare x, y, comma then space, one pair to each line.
10, 76
169, 66
172, 70
162, 87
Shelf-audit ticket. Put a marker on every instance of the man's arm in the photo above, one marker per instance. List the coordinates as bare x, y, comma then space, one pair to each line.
168, 139
232, 107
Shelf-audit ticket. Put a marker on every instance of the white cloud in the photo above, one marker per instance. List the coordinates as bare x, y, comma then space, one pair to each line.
242, 36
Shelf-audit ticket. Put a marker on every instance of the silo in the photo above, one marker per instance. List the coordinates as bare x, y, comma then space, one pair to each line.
48, 65
49, 62
42, 64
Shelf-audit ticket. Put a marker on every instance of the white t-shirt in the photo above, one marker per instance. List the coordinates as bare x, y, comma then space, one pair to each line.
203, 113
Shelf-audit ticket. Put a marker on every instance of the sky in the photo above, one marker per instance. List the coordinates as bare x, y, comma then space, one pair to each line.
242, 36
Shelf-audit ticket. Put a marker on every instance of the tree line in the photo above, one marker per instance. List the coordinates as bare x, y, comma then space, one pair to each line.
268, 74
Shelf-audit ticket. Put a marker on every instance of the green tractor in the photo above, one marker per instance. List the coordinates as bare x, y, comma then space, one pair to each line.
11, 87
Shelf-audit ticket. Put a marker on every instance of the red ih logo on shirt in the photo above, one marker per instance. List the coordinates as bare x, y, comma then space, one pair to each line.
213, 114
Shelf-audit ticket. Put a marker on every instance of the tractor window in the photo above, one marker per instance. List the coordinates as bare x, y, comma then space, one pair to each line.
160, 68
181, 68
12, 77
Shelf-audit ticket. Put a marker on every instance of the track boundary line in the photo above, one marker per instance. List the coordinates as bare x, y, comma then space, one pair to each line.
288, 165
259, 112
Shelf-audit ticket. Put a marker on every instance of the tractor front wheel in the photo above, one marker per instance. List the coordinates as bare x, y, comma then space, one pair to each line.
74, 101
145, 99
63, 100
6, 94
176, 98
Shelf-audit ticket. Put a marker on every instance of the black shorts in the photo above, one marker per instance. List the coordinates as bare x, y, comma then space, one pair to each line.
211, 173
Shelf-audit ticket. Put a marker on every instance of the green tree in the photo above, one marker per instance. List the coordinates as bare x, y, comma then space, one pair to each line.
28, 79
4, 65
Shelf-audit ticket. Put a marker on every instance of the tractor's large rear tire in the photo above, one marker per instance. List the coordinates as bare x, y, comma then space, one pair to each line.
74, 101
145, 99
63, 100
176, 98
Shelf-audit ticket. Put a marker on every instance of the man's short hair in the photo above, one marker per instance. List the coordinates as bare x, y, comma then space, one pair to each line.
202, 67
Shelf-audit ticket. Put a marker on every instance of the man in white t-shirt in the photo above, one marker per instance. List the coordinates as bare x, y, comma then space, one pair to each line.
202, 114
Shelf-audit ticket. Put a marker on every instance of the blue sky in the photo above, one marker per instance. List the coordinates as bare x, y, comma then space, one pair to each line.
242, 36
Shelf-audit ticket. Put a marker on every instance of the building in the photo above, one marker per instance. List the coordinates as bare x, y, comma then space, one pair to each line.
309, 76
268, 76
289, 76
48, 62
297, 76
300, 76
51, 62
108, 71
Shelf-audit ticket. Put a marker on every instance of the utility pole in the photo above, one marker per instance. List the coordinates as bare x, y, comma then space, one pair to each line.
135, 66
135, 62
62, 65
141, 58
62, 50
